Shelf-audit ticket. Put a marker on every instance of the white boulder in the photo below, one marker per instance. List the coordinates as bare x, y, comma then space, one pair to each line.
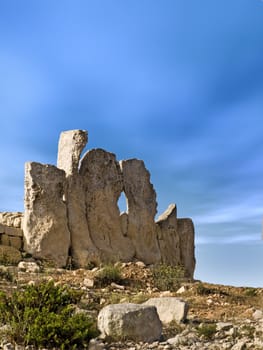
130, 321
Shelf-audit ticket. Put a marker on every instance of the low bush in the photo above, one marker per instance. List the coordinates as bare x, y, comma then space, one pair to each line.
108, 274
43, 315
207, 330
166, 277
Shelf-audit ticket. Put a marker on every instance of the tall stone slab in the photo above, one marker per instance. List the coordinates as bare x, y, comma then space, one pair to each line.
186, 233
103, 184
169, 240
141, 198
45, 226
70, 147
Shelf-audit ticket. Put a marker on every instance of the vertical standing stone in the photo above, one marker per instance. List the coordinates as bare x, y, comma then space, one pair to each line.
45, 220
185, 229
103, 185
168, 237
71, 145
142, 205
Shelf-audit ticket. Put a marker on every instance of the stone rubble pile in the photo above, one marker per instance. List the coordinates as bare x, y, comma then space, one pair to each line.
160, 323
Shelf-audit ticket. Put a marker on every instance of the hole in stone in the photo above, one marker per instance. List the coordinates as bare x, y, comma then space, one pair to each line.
122, 203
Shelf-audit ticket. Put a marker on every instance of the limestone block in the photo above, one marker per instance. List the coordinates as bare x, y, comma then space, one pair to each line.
83, 250
12, 219
9, 255
2, 228
141, 199
5, 239
185, 228
45, 220
13, 231
16, 242
130, 321
169, 309
28, 266
103, 185
169, 241
71, 144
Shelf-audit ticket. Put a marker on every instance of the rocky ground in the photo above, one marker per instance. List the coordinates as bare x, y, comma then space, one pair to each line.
219, 317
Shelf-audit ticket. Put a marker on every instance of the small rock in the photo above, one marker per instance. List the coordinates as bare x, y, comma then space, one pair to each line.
95, 344
241, 345
8, 346
140, 264
117, 286
88, 282
181, 290
165, 293
28, 266
224, 326
31, 283
258, 314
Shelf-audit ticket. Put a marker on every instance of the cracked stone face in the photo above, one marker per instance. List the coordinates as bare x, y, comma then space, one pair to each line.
103, 184
73, 209
45, 226
142, 205
168, 237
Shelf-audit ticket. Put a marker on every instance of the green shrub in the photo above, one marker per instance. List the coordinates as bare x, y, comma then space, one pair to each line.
207, 330
250, 292
166, 277
108, 274
43, 315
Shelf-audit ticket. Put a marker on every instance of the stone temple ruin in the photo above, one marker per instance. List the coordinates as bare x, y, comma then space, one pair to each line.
71, 212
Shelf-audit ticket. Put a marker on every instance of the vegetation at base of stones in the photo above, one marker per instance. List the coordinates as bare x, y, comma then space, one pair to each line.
5, 274
108, 274
207, 330
43, 315
166, 277
9, 255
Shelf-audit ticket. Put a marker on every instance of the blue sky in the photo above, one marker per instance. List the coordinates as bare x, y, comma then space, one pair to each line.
178, 84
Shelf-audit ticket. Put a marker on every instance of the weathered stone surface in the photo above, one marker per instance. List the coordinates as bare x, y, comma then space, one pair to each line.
9, 255
185, 228
130, 321
72, 213
83, 250
16, 242
169, 241
169, 309
11, 231
28, 266
141, 198
71, 144
103, 185
11, 219
45, 221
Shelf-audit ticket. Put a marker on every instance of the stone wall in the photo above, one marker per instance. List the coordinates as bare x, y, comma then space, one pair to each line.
11, 233
71, 211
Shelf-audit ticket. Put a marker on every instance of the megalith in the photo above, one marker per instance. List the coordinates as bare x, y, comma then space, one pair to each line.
168, 237
45, 226
72, 214
103, 184
71, 145
186, 233
141, 198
